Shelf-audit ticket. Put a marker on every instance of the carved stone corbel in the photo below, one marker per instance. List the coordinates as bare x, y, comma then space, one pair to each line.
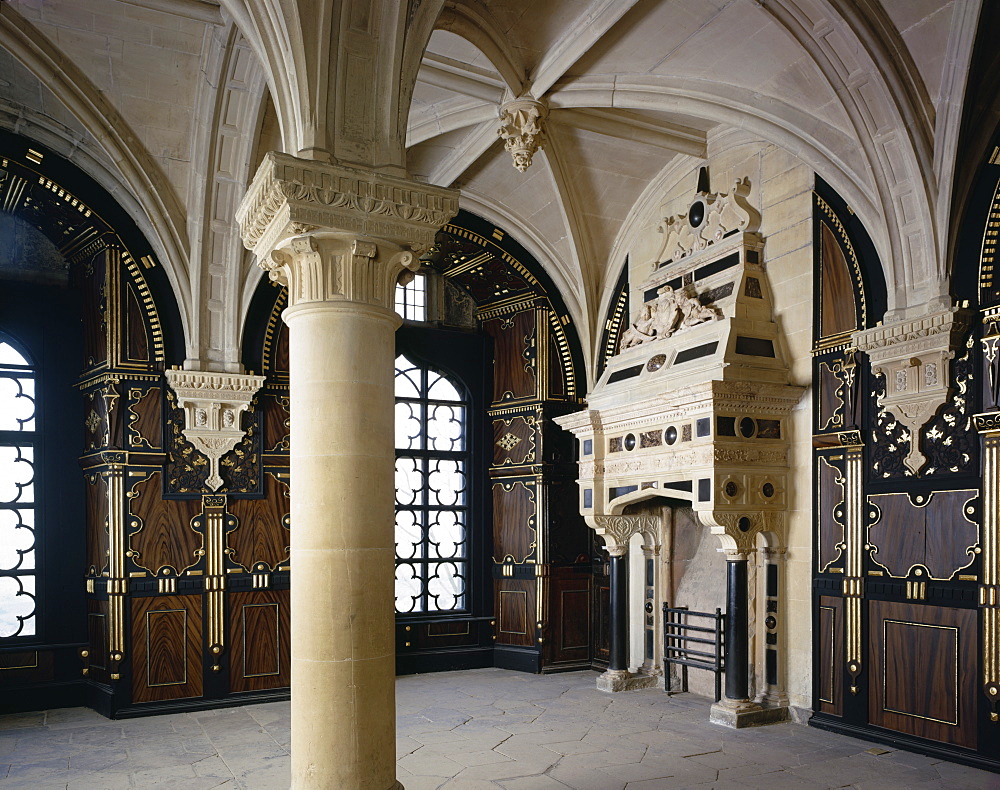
913, 355
521, 129
213, 406
618, 530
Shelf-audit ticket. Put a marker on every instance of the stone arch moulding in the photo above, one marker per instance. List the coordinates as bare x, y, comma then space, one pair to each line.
162, 218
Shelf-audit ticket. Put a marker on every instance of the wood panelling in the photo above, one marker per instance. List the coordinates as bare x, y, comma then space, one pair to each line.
923, 671
276, 423
936, 533
135, 327
514, 441
279, 351
259, 623
97, 527
167, 648
165, 537
146, 419
829, 657
261, 535
557, 376
97, 640
514, 355
830, 502
837, 311
569, 615
94, 327
831, 407
513, 520
515, 603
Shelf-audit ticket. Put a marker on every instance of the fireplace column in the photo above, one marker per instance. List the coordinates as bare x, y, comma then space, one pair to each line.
737, 650
618, 658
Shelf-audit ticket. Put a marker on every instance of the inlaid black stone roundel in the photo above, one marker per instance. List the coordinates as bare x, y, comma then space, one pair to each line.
743, 524
670, 435
770, 622
696, 214
767, 490
747, 427
630, 441
731, 489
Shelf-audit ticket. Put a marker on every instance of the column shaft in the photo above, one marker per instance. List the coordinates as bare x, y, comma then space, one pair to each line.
343, 652
737, 656
618, 658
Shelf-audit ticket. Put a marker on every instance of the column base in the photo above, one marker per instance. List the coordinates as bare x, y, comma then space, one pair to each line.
737, 714
614, 680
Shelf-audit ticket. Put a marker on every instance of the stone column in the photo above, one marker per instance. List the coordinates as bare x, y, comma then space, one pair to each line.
618, 647
338, 238
737, 655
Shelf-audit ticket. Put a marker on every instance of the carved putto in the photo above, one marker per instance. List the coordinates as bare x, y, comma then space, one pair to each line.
711, 217
521, 130
662, 317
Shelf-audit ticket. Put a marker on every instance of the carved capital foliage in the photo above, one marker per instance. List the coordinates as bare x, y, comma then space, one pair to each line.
618, 530
213, 405
738, 530
913, 355
291, 196
338, 267
521, 129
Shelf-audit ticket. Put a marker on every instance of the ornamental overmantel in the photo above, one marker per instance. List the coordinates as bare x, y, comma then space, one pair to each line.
913, 355
291, 197
213, 406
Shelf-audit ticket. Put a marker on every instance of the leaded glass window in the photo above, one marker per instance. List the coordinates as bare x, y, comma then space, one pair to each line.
432, 491
17, 492
411, 299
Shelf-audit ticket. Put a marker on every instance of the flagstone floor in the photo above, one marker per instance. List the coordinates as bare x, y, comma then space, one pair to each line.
486, 729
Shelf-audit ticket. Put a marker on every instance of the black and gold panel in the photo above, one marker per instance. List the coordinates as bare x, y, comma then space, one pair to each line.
515, 607
829, 650
515, 440
515, 351
167, 643
924, 662
831, 501
260, 539
161, 537
514, 521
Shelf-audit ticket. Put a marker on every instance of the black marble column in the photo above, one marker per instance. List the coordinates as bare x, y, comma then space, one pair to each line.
737, 647
618, 658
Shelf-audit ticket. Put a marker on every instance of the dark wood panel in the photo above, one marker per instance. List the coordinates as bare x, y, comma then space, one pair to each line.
898, 537
515, 603
924, 662
513, 355
951, 532
276, 423
261, 535
514, 441
830, 655
830, 503
165, 537
837, 312
831, 406
513, 520
94, 327
97, 517
569, 616
145, 418
135, 327
167, 648
279, 352
259, 632
95, 421
557, 376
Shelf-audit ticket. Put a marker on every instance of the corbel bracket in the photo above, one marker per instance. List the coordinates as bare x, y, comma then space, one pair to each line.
213, 406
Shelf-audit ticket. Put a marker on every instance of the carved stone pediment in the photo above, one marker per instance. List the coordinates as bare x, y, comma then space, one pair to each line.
711, 217
913, 354
213, 406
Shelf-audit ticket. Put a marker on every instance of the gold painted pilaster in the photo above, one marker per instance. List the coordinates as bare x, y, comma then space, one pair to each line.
989, 590
215, 574
854, 585
117, 546
113, 305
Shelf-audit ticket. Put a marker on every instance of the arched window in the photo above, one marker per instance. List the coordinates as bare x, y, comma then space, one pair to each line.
432, 491
17, 491
411, 299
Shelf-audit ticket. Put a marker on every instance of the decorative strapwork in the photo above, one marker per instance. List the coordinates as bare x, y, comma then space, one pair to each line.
991, 357
854, 584
989, 590
213, 406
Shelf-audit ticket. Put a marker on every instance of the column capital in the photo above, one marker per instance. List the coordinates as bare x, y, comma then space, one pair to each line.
292, 197
618, 530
